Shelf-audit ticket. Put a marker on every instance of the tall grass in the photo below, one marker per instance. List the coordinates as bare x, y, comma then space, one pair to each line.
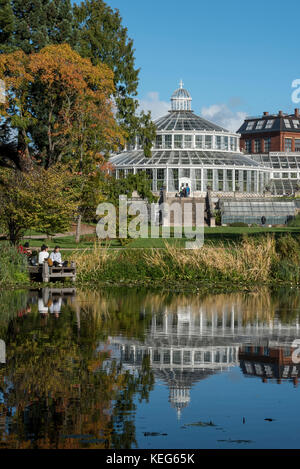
13, 266
248, 262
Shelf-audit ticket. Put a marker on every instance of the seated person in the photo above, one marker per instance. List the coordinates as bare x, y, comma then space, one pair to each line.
24, 249
43, 254
55, 256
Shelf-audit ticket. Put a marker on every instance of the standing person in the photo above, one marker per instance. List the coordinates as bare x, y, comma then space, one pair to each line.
187, 191
55, 256
43, 254
183, 191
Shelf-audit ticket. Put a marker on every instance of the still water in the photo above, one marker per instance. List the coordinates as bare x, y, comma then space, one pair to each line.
125, 368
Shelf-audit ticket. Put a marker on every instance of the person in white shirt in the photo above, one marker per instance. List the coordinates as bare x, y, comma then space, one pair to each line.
55, 256
56, 307
43, 254
41, 306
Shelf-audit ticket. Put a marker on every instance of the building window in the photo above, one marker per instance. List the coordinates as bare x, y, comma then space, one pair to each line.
185, 173
198, 141
245, 179
288, 144
218, 142
160, 178
208, 141
297, 144
250, 125
260, 125
168, 141
293, 175
267, 144
257, 145
269, 124
285, 175
178, 139
226, 147
296, 124
229, 179
188, 141
158, 142
220, 179
198, 179
276, 175
248, 146
287, 123
209, 178
232, 143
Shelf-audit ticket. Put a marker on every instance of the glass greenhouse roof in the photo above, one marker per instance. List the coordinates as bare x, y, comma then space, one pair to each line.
182, 158
285, 161
185, 120
257, 208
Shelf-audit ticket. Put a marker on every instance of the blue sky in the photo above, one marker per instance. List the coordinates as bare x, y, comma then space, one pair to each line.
234, 57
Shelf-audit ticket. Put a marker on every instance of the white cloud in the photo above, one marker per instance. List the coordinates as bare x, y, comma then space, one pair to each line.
222, 115
152, 103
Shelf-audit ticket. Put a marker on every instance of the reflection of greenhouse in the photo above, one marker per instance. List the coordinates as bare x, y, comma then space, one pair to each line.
191, 150
187, 346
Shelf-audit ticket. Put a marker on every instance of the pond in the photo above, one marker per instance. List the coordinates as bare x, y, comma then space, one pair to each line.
130, 368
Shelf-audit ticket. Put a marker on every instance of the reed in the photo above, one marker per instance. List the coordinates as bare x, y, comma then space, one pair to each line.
246, 262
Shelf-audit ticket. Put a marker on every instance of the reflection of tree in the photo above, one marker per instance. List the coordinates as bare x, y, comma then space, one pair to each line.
57, 385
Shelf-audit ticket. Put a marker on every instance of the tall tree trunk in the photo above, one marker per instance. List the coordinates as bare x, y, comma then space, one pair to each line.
78, 229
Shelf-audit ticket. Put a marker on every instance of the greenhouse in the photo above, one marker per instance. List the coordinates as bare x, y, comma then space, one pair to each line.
191, 150
274, 212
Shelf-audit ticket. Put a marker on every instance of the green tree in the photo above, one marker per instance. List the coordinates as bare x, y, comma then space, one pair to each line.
103, 38
7, 23
37, 199
59, 103
92, 28
39, 23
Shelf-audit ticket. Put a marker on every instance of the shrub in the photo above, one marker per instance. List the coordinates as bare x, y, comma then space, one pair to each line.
13, 265
238, 224
295, 221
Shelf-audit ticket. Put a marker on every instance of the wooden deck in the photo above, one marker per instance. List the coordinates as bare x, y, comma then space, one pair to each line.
48, 273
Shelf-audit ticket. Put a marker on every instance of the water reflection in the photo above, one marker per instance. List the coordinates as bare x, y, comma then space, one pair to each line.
79, 364
187, 343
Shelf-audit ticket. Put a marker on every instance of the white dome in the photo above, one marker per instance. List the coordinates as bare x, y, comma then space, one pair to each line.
181, 99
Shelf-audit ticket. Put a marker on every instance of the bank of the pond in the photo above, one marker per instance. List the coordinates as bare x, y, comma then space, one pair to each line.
238, 266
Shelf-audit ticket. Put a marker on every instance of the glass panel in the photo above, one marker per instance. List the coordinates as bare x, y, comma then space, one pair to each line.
198, 141
218, 142
257, 145
288, 145
178, 140
188, 141
248, 146
168, 141
158, 141
208, 141
226, 147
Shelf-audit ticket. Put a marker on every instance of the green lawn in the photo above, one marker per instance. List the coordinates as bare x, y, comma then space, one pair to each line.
217, 235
